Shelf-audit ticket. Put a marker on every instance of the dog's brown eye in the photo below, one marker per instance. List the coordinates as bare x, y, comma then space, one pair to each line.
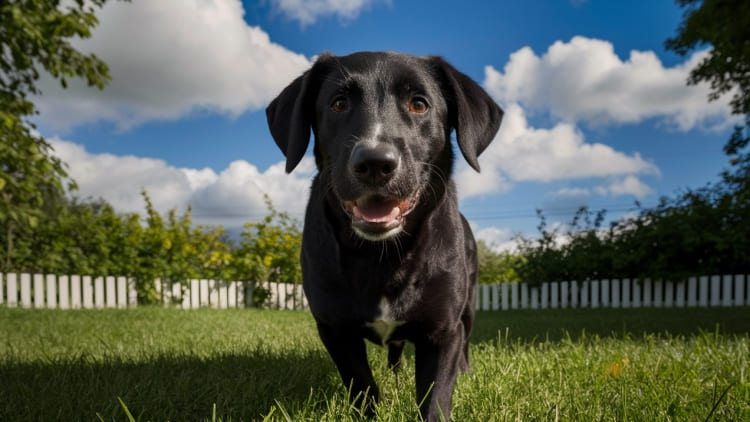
418, 105
340, 105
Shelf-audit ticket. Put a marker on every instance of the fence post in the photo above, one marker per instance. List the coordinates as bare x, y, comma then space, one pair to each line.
658, 297
26, 290
132, 293
213, 294
703, 292
232, 294
626, 295
647, 292
554, 295
111, 292
75, 292
668, 294
223, 295
504, 292
514, 296
204, 301
636, 293
715, 290
564, 294
177, 299
38, 291
195, 294
585, 294
64, 291
99, 292
185, 294
615, 293
680, 299
594, 294
739, 290
574, 294
692, 292
122, 292
545, 295
51, 288
535, 297
524, 296
726, 291
605, 301
495, 297
11, 285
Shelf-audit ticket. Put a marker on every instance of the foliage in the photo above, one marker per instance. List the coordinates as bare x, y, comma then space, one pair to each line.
35, 35
724, 25
698, 231
496, 267
91, 238
270, 249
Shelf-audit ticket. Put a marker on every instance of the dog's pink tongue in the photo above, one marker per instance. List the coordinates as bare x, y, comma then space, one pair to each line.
376, 213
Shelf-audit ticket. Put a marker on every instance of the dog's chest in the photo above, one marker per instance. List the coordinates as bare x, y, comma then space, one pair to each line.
385, 322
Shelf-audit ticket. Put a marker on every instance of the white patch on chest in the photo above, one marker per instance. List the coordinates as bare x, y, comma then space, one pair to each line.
385, 323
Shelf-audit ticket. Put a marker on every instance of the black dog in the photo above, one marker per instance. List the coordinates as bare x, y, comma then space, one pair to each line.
386, 256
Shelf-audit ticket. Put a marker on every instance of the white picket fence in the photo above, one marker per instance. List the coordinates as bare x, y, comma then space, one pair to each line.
49, 291
74, 292
703, 291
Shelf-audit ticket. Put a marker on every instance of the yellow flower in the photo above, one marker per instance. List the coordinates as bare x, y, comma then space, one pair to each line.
615, 369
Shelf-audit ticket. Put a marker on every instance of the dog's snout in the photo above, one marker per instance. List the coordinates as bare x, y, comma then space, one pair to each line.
374, 164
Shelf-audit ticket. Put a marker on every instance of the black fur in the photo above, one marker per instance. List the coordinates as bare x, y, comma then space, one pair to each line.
424, 269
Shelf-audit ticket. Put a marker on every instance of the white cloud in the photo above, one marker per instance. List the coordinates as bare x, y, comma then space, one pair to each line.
572, 193
584, 80
520, 152
231, 197
309, 11
488, 181
629, 185
169, 58
498, 239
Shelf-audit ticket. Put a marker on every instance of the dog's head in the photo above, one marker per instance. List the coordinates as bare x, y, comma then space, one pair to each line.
382, 125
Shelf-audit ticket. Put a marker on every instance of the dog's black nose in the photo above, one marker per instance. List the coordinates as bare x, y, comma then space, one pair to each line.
374, 164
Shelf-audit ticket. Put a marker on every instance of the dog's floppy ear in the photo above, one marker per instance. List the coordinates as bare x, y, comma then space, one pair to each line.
290, 116
472, 112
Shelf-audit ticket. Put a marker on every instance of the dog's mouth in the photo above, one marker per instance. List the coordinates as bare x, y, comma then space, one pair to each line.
379, 217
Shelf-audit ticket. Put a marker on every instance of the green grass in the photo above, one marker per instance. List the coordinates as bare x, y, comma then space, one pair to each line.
166, 364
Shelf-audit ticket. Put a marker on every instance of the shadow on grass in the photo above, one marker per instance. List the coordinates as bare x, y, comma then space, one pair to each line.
165, 388
532, 326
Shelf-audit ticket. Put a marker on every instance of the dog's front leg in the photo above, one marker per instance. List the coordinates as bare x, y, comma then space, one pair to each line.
349, 354
437, 363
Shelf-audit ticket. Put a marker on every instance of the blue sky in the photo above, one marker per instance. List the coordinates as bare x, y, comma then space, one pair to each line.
597, 112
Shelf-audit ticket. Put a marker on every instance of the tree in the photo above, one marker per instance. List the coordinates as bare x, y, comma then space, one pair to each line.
496, 267
724, 25
36, 35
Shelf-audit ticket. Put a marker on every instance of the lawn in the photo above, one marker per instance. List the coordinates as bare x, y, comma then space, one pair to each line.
166, 364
